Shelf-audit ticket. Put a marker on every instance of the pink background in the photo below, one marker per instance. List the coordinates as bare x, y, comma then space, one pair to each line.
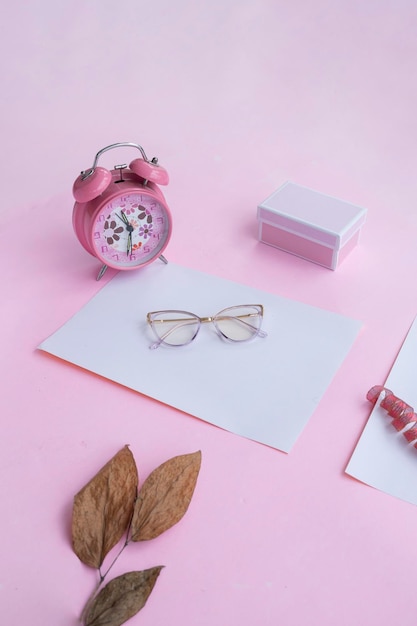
234, 98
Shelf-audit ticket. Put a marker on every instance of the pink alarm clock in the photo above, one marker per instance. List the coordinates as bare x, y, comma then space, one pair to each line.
121, 216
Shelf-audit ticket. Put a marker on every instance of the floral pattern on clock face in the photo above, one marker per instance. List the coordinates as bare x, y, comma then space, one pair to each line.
130, 230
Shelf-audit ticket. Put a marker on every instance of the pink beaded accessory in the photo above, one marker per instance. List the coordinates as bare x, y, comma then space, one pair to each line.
405, 419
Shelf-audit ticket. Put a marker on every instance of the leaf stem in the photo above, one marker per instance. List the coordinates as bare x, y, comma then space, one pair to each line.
103, 576
126, 543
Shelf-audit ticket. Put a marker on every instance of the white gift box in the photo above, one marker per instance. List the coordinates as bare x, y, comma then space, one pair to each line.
309, 224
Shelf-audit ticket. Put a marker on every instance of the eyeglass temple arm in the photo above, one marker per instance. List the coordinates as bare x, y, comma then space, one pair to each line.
205, 320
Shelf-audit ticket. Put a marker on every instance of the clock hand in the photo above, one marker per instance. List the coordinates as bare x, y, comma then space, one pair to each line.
129, 243
122, 217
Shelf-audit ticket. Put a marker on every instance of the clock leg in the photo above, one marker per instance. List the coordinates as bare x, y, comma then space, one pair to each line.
101, 272
163, 259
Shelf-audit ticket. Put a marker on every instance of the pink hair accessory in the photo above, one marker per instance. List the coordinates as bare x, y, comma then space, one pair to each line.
405, 419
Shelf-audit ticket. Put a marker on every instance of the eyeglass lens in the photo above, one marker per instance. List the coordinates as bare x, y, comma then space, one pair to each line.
176, 328
238, 323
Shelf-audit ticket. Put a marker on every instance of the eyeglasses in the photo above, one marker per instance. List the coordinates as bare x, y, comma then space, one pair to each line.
179, 328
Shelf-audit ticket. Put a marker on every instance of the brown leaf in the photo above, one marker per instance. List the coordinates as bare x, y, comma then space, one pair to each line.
165, 496
122, 598
103, 509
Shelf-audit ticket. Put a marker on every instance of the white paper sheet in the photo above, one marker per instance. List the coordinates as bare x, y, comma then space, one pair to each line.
383, 458
264, 390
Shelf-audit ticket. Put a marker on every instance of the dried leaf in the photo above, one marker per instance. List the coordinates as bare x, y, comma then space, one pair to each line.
122, 598
165, 496
103, 509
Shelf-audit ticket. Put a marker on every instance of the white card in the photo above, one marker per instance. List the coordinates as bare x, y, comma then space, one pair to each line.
265, 389
383, 458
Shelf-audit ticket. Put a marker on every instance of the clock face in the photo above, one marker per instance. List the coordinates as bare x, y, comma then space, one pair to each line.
130, 230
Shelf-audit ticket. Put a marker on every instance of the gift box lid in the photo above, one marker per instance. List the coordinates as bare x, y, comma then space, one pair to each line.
312, 214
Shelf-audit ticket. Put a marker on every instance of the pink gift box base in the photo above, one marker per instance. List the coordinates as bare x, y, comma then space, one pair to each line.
309, 224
